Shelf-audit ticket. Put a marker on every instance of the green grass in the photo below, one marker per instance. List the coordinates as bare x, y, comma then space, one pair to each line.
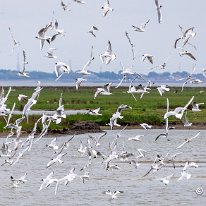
150, 108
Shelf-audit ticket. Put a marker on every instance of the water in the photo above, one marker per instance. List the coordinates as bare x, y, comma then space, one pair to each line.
40, 112
137, 190
46, 83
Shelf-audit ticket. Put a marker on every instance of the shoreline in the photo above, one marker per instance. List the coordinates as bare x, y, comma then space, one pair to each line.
103, 128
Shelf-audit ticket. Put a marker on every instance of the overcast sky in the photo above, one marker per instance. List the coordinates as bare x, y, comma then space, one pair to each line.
27, 17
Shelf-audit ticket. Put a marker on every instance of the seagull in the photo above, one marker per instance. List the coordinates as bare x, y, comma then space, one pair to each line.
184, 175
95, 112
189, 54
132, 45
126, 71
50, 53
196, 81
56, 159
145, 126
23, 73
15, 42
53, 144
186, 35
195, 107
173, 158
106, 8
85, 176
42, 35
92, 30
156, 165
132, 89
112, 194
61, 66
66, 179
108, 56
186, 123
47, 181
97, 139
79, 81
188, 140
84, 69
79, 1
158, 7
166, 179
141, 153
188, 78
22, 97
142, 27
21, 179
104, 91
162, 89
178, 111
149, 57
65, 6
135, 138
189, 164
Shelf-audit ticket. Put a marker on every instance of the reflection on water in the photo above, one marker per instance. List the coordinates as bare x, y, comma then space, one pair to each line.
137, 190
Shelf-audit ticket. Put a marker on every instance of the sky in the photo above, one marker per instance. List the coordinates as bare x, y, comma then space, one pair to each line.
27, 17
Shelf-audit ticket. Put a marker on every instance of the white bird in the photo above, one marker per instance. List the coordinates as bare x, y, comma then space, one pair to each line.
186, 35
106, 8
195, 107
113, 194
50, 53
79, 81
166, 179
94, 112
178, 111
47, 181
142, 153
53, 144
61, 68
145, 126
184, 175
65, 6
14, 41
84, 70
97, 139
79, 1
21, 179
188, 140
189, 54
104, 91
142, 27
23, 73
92, 31
22, 97
162, 89
158, 7
66, 179
136, 138
132, 45
56, 159
189, 164
85, 176
108, 56
186, 123
149, 57
42, 35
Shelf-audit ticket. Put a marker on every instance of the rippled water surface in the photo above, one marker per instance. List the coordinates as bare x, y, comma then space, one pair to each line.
137, 190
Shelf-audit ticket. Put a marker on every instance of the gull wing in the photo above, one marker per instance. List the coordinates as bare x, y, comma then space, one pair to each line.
109, 47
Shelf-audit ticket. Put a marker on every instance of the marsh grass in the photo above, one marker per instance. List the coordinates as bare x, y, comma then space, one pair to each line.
149, 109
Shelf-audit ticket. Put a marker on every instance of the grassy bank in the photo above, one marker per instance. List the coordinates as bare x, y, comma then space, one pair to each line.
149, 109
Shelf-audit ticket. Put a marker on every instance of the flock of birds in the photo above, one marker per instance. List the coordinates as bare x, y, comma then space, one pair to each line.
14, 147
